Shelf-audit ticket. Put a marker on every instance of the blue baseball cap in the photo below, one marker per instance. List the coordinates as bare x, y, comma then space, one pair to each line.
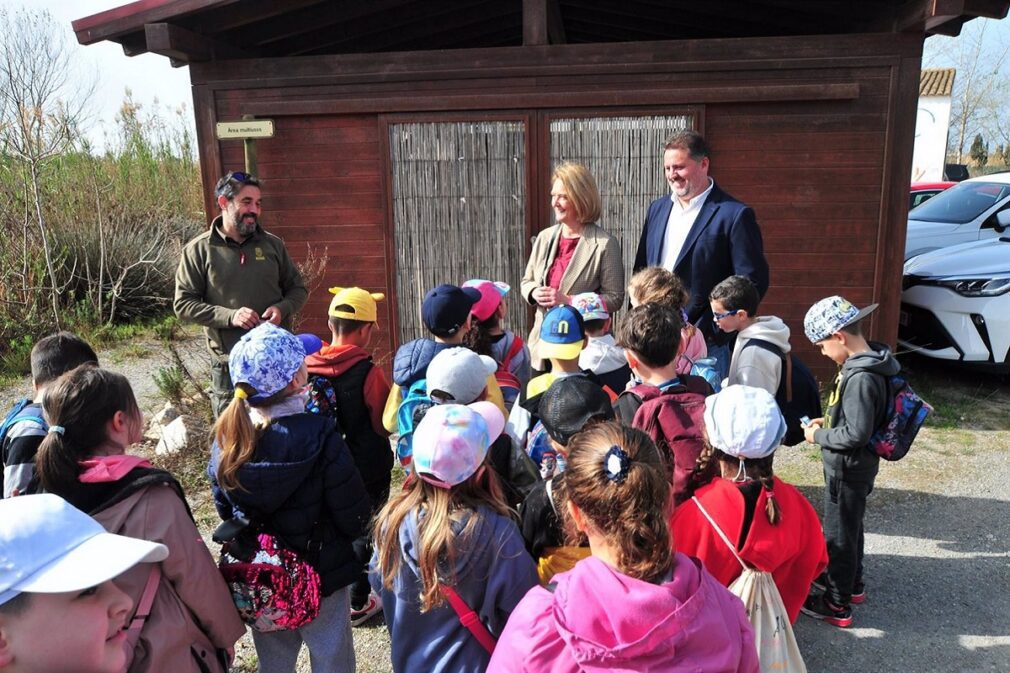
562, 334
446, 308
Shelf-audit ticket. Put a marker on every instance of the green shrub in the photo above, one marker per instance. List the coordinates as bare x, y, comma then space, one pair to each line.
171, 383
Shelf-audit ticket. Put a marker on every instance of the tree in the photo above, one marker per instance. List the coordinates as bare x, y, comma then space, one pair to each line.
979, 151
41, 106
981, 56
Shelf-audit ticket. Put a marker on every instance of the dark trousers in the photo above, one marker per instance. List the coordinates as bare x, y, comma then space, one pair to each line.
378, 494
844, 508
221, 389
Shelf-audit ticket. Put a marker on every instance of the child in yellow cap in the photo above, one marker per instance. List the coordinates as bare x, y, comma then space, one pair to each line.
346, 384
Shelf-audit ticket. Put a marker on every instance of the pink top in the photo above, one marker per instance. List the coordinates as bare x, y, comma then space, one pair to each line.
566, 248
695, 349
598, 619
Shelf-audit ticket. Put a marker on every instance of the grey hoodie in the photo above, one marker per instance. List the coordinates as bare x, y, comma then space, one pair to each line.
755, 366
857, 407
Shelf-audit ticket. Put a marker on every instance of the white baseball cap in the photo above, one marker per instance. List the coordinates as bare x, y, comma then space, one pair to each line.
48, 546
744, 422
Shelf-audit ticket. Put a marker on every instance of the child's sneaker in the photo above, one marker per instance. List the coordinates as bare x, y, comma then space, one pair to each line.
819, 607
372, 607
858, 590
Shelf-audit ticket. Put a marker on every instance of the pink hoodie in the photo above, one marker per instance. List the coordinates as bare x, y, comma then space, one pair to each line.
598, 619
693, 351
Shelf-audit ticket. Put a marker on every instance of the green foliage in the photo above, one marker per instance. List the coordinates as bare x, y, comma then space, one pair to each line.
168, 328
16, 358
979, 151
171, 383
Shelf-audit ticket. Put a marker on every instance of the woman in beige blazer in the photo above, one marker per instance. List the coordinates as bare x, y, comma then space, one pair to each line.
575, 255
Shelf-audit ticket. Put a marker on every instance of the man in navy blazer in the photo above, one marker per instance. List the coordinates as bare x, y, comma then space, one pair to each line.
700, 232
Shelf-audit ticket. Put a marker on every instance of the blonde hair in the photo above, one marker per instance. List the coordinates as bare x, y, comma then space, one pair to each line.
436, 510
582, 190
632, 513
236, 435
656, 285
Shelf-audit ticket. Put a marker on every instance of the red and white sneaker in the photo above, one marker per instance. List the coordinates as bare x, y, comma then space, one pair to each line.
372, 607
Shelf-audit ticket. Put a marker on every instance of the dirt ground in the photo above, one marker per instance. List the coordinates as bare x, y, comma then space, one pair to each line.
937, 531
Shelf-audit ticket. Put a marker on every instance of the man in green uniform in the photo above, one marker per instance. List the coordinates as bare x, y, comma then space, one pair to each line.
234, 276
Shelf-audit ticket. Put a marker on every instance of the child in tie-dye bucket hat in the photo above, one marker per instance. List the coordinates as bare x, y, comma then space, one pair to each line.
291, 474
449, 562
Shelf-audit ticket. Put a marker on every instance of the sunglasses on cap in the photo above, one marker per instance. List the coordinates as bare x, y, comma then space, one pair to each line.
238, 176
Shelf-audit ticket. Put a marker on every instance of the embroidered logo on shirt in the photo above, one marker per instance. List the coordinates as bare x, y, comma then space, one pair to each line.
260, 257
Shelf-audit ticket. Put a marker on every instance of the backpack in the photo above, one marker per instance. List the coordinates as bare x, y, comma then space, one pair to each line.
18, 415
707, 369
508, 382
273, 587
773, 633
797, 394
905, 415
408, 414
675, 420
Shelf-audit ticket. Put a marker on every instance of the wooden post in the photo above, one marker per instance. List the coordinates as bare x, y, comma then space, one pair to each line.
250, 150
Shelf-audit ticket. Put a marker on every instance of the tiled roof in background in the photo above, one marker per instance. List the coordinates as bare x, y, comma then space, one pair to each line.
936, 81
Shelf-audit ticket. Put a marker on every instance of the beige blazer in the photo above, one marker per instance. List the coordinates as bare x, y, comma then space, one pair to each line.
597, 266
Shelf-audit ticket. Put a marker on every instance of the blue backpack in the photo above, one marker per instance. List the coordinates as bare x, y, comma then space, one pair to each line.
797, 394
905, 415
707, 369
18, 415
415, 403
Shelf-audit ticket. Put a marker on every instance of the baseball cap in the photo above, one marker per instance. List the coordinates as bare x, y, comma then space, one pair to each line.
266, 358
830, 315
591, 306
744, 421
452, 440
569, 403
49, 546
310, 343
460, 372
446, 308
491, 295
562, 334
362, 303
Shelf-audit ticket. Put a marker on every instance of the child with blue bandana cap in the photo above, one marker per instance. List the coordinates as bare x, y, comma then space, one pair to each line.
291, 473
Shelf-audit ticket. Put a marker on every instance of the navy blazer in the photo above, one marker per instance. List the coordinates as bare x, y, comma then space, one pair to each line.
724, 241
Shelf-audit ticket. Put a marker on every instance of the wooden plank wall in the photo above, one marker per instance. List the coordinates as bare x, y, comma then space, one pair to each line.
814, 132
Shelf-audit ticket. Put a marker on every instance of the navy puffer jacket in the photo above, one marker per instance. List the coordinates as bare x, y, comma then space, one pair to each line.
302, 473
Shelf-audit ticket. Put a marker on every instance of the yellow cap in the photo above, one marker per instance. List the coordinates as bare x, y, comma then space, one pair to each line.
362, 303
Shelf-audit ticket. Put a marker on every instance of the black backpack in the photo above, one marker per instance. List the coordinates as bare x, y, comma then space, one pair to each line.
797, 394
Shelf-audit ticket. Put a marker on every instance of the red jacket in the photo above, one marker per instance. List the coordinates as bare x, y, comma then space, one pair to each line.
332, 361
793, 551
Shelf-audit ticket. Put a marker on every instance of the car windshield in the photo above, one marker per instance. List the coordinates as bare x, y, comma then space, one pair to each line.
961, 203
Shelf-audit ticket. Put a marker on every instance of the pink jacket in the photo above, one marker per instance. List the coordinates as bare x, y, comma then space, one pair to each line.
598, 619
694, 351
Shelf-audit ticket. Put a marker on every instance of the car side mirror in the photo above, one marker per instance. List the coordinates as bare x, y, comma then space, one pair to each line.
1002, 220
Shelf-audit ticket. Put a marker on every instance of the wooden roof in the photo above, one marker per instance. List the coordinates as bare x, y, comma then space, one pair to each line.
205, 30
936, 81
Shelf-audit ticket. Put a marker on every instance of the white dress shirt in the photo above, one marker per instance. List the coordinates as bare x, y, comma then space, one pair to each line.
677, 227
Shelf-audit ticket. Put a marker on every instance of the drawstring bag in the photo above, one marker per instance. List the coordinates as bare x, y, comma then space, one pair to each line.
273, 587
773, 634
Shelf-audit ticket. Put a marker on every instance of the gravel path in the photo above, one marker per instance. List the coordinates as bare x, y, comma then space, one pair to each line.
937, 542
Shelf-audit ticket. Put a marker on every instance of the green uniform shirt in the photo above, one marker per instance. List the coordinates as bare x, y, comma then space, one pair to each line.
217, 276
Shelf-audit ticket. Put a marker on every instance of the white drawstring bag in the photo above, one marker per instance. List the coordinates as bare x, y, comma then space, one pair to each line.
773, 634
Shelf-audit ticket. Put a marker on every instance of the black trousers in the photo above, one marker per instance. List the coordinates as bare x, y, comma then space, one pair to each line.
378, 494
844, 507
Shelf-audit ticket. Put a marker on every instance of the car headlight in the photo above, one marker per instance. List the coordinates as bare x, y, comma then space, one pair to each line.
977, 287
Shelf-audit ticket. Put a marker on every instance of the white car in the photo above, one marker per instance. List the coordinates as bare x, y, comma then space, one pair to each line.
965, 212
955, 304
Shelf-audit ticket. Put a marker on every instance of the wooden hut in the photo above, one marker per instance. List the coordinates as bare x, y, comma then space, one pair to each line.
414, 139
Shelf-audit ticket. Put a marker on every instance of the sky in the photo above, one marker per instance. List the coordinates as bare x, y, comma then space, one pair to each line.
150, 77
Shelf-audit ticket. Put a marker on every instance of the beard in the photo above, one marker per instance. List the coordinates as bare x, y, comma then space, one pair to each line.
245, 226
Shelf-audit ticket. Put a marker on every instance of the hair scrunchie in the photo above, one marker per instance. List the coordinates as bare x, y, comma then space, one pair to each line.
58, 429
241, 394
615, 464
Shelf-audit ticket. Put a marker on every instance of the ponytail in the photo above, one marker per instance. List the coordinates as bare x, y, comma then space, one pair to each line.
617, 479
760, 470
236, 438
478, 339
78, 407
